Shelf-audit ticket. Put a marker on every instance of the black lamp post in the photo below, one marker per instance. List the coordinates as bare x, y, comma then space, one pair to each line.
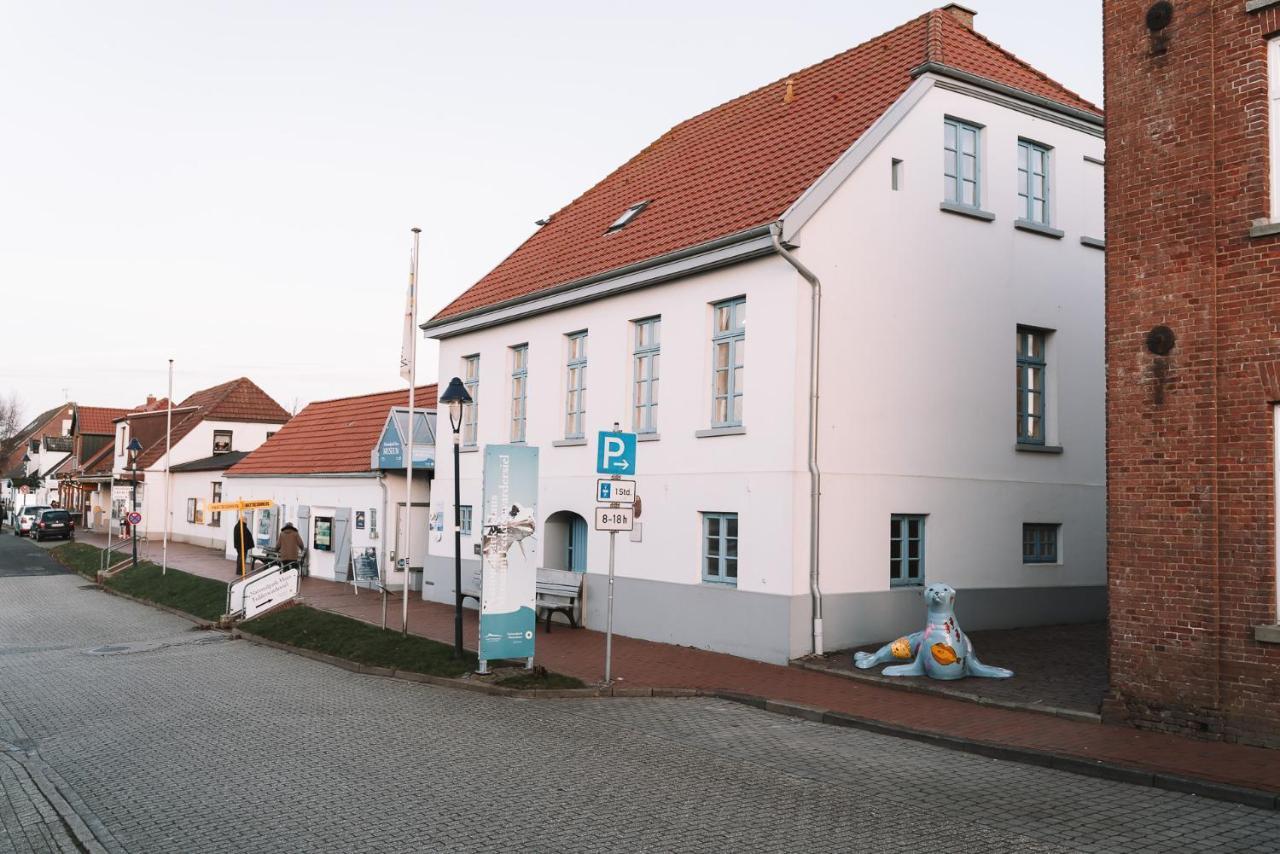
455, 397
135, 448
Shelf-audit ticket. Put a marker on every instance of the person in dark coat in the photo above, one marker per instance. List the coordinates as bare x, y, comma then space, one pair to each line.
242, 538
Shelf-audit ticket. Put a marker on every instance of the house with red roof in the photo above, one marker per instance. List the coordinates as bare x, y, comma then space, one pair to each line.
890, 230
337, 472
234, 416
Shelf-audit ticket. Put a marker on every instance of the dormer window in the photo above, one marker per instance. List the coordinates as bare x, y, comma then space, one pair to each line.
627, 215
221, 441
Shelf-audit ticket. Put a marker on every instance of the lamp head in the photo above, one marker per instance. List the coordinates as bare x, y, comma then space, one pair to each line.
455, 397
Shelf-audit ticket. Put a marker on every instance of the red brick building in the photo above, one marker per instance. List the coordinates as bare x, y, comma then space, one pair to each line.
1193, 365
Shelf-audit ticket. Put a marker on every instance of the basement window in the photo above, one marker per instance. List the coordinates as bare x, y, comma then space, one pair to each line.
627, 215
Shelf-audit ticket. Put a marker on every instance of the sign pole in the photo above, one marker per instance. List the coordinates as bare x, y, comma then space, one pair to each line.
408, 463
168, 489
608, 625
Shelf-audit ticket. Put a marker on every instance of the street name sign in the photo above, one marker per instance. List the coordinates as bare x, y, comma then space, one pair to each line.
614, 519
616, 491
219, 506
616, 453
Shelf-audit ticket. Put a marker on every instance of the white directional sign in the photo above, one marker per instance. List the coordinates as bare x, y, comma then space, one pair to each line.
615, 491
614, 519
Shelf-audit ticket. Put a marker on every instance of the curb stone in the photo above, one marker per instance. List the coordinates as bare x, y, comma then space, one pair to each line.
1113, 771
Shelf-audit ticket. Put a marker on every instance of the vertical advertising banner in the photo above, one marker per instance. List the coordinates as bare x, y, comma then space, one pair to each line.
509, 552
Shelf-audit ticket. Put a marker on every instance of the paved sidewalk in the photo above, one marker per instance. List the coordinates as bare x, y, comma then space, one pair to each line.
641, 663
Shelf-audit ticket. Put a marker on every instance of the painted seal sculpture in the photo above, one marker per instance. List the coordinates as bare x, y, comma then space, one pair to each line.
941, 651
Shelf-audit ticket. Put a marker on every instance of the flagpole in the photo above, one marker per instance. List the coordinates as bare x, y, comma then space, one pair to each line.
408, 461
168, 487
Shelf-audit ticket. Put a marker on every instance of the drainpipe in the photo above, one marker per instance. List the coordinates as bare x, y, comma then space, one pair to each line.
815, 476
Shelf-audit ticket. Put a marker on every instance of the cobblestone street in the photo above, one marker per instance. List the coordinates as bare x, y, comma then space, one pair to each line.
123, 729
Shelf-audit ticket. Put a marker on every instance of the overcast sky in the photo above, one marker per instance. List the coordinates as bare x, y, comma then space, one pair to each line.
232, 184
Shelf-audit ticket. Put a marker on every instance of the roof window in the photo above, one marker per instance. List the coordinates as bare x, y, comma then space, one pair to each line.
627, 215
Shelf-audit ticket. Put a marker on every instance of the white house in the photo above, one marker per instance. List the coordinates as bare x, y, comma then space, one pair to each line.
944, 201
233, 416
336, 471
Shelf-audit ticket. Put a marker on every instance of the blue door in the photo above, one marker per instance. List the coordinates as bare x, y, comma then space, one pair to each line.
577, 557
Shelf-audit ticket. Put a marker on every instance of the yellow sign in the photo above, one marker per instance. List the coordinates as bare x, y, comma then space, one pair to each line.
241, 505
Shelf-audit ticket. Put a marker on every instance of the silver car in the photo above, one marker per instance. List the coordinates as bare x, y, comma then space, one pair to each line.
26, 517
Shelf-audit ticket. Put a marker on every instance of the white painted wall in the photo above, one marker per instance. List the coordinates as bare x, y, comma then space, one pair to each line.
919, 318
323, 495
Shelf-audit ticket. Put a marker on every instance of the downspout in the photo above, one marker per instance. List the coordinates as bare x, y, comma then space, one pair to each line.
815, 475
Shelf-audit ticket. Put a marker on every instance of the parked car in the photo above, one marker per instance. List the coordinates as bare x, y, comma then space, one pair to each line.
25, 519
53, 523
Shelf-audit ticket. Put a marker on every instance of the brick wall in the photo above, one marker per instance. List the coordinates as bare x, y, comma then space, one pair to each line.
1191, 501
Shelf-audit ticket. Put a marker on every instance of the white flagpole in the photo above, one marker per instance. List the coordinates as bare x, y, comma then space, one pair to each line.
168, 433
408, 460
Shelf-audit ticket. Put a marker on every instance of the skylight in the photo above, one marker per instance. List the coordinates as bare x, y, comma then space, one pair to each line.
627, 215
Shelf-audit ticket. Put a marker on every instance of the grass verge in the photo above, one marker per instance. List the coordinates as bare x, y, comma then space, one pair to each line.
201, 597
344, 637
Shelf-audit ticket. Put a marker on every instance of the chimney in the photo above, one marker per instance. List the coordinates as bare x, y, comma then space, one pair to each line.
963, 14
151, 401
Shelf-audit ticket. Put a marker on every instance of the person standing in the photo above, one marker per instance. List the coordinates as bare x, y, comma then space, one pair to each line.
289, 546
242, 538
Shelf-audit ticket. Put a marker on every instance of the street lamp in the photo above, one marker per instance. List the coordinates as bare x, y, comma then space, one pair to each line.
456, 397
135, 448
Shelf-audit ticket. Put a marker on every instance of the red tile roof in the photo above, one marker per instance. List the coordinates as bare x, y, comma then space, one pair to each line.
330, 436
97, 420
235, 400
742, 164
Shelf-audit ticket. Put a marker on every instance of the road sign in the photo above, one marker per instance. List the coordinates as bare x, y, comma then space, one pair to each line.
24, 489
219, 506
616, 453
614, 519
616, 491
134, 518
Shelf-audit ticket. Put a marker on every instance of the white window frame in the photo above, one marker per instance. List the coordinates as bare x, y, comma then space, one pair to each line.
733, 340
575, 393
953, 185
646, 372
471, 411
1026, 196
519, 392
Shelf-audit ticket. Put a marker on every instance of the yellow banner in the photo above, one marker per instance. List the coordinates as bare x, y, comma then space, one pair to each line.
219, 506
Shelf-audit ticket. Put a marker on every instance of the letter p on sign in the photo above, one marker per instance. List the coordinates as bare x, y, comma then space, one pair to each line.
616, 453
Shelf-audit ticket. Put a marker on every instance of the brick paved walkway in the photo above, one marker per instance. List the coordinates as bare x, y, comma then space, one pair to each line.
641, 663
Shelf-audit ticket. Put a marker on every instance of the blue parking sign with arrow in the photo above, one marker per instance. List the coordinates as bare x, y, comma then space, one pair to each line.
616, 453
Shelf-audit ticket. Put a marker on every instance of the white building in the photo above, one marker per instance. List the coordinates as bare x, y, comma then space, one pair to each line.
234, 416
336, 471
947, 198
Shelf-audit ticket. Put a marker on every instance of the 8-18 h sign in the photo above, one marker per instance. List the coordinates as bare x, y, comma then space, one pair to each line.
615, 519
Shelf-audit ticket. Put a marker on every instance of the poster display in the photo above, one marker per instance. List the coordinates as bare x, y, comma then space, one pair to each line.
509, 552
323, 541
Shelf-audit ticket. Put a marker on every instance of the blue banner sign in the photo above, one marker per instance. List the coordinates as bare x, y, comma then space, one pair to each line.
509, 552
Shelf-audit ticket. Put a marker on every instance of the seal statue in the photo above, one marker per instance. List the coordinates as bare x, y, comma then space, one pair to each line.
941, 650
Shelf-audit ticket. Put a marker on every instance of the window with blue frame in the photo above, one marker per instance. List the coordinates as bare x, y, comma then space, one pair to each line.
728, 358
1040, 543
464, 520
575, 403
519, 391
576, 545
644, 403
906, 550
960, 164
471, 411
1031, 366
1033, 182
720, 548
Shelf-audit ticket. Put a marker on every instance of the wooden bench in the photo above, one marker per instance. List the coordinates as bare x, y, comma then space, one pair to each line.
557, 590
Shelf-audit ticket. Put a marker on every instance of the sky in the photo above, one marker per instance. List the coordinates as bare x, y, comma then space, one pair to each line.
232, 185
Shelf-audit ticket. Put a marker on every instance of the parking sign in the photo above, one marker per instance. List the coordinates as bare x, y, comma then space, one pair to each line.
616, 453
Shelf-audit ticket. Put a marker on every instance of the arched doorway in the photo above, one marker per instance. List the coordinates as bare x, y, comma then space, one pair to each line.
565, 546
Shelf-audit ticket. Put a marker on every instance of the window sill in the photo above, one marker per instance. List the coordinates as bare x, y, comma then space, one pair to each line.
720, 431
1038, 228
1267, 634
1028, 448
1094, 242
715, 582
1264, 227
469, 449
913, 586
648, 437
1259, 5
964, 210
568, 443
